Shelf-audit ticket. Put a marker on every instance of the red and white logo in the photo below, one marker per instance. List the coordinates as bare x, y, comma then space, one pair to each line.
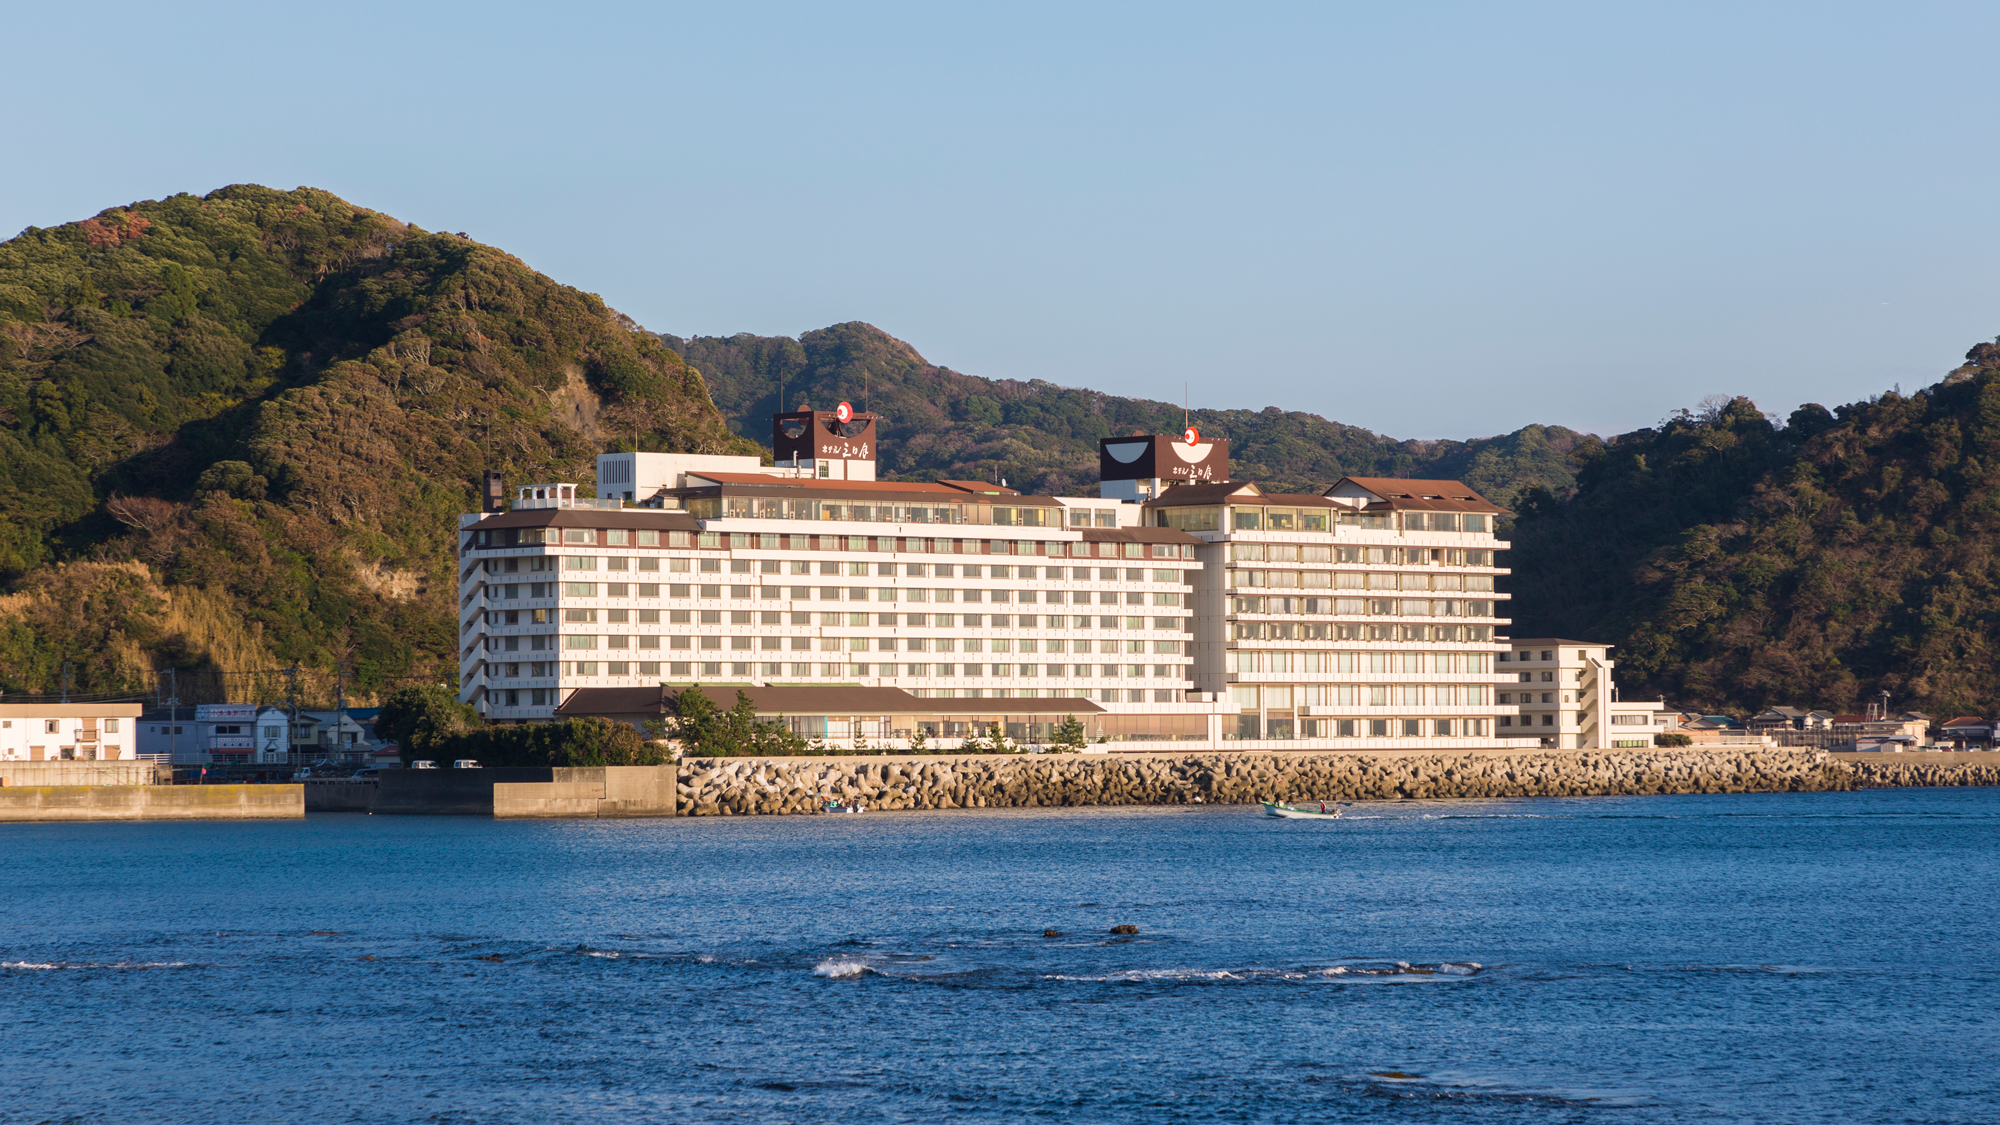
1191, 435
844, 412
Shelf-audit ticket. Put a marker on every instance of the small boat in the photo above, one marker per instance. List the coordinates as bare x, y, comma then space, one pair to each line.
837, 807
1294, 812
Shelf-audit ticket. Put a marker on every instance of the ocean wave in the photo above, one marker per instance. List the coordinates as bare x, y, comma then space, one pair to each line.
1399, 972
842, 968
1138, 975
47, 965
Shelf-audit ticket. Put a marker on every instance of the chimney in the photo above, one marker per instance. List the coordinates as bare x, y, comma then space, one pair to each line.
495, 490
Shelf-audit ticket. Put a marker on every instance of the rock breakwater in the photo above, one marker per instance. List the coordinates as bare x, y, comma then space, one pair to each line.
767, 786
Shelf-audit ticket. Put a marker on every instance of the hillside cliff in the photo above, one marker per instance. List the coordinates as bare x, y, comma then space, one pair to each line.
1740, 563
235, 429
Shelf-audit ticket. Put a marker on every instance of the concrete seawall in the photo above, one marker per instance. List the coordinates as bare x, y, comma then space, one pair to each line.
742, 786
46, 803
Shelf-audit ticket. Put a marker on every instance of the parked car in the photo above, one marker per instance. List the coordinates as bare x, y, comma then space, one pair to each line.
465, 764
423, 765
367, 774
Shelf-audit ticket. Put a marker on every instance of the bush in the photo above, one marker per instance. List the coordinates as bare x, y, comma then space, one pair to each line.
419, 718
1672, 739
587, 741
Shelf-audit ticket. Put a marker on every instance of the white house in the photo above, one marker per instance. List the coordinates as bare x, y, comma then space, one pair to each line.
55, 732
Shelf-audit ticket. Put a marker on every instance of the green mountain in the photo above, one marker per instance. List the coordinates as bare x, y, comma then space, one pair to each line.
1739, 563
938, 423
235, 430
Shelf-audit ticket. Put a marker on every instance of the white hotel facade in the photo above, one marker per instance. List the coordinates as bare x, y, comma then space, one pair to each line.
1203, 615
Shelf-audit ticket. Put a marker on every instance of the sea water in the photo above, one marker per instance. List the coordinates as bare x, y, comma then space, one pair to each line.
1808, 957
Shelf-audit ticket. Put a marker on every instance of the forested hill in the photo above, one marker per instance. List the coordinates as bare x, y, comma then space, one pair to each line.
938, 423
1741, 563
235, 430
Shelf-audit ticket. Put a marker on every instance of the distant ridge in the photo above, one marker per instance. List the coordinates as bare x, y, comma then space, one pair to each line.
942, 423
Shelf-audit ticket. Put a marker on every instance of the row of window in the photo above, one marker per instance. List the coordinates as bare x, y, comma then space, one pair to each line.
1307, 631
1546, 677
1548, 720
541, 669
576, 641
1526, 655
546, 697
1253, 727
1386, 607
1359, 580
505, 617
1378, 556
1253, 697
514, 591
853, 569
1266, 518
1418, 663
739, 541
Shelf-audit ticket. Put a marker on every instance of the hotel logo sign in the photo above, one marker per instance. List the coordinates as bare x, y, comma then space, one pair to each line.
1163, 457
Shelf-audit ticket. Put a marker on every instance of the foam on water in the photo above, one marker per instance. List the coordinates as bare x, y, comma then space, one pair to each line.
842, 968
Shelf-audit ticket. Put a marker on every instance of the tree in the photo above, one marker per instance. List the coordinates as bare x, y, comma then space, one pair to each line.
1672, 738
421, 718
1070, 737
704, 732
919, 739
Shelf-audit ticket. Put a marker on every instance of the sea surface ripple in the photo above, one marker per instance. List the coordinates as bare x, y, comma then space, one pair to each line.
1772, 958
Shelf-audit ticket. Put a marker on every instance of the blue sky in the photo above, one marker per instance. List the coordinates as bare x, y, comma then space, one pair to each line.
1432, 220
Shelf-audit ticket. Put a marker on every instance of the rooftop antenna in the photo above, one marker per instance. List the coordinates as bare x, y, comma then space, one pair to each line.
1185, 423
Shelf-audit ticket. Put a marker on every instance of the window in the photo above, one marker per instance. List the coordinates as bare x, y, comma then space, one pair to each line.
52, 727
579, 535
111, 727
579, 562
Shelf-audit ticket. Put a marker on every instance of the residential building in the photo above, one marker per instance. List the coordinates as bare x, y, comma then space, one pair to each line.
170, 733
1566, 698
1205, 612
75, 731
1966, 732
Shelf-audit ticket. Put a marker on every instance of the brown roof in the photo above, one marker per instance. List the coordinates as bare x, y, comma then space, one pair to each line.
1222, 492
1553, 642
868, 488
809, 699
586, 517
981, 486
1425, 495
818, 485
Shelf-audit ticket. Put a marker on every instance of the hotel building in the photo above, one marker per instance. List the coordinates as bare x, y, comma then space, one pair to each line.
1180, 607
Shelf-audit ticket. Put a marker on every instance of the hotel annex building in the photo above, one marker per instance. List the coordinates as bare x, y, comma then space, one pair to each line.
1204, 614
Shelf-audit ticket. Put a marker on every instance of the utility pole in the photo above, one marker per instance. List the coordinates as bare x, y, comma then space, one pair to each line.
173, 717
68, 679
292, 701
340, 706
